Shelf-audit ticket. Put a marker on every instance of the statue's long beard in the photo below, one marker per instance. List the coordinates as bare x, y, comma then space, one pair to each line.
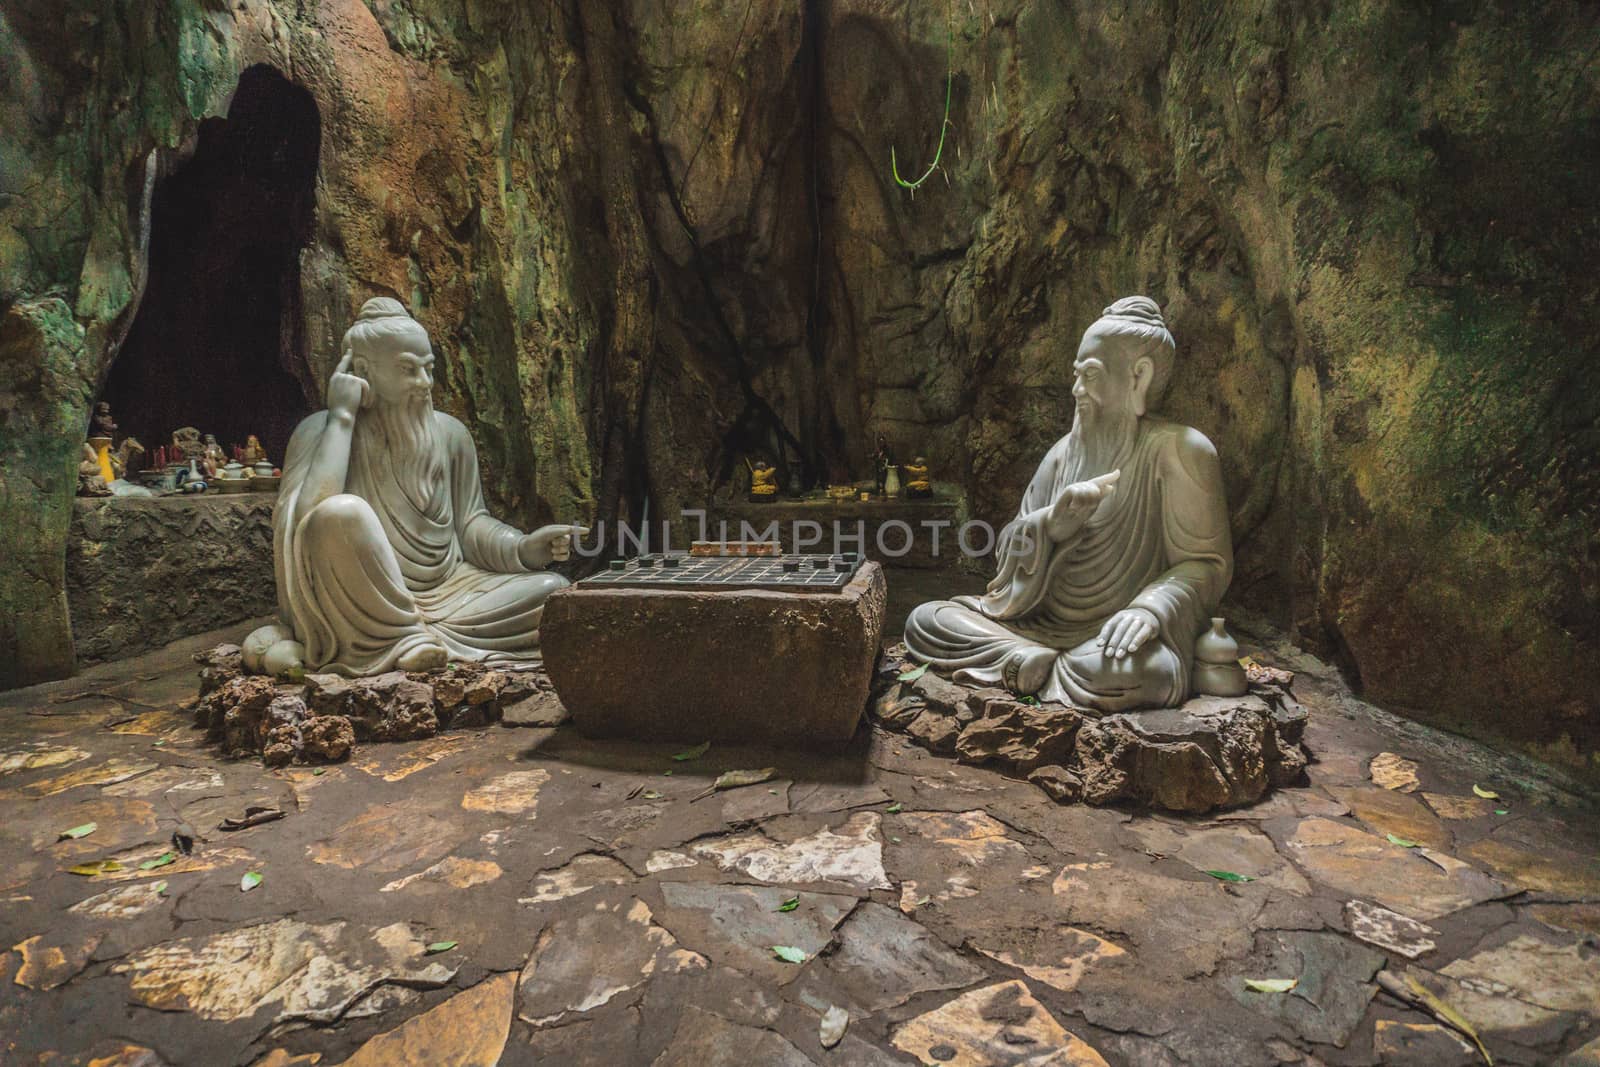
404, 435
1101, 441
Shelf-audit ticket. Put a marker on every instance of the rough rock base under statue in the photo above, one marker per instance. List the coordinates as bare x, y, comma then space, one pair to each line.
1213, 752
320, 719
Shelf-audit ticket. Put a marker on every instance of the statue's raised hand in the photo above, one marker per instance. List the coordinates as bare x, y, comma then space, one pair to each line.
548, 544
347, 393
1076, 503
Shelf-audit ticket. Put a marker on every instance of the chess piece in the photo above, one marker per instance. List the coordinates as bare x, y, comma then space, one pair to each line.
1119, 553
385, 555
917, 486
763, 483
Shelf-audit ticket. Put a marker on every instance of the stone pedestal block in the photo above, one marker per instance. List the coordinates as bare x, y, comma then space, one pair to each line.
716, 665
1213, 752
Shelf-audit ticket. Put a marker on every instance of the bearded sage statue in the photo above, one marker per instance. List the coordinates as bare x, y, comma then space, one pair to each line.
1119, 552
386, 557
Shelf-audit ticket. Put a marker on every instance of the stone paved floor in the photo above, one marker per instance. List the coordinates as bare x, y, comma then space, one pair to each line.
582, 907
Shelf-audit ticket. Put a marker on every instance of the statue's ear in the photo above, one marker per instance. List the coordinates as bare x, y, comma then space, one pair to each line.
1144, 372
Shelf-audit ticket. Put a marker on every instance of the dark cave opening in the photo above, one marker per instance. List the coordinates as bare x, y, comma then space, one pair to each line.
218, 342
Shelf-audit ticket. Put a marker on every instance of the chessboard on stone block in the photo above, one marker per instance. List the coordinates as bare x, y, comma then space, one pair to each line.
799, 572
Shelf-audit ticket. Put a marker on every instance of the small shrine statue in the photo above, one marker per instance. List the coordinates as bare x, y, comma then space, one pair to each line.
386, 557
186, 445
102, 424
253, 452
917, 486
763, 482
92, 479
1120, 550
882, 460
213, 459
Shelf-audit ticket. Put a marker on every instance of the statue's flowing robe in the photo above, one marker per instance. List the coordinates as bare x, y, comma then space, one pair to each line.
398, 561
1159, 542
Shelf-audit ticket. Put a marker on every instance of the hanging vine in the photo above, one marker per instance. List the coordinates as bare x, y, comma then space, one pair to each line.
944, 125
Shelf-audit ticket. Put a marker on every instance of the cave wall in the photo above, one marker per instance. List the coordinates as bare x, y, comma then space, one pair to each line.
653, 237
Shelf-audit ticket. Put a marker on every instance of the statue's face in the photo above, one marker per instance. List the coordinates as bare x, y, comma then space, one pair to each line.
399, 366
1103, 380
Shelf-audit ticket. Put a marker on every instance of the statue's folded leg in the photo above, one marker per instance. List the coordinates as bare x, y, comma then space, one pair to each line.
481, 615
356, 590
1148, 678
977, 648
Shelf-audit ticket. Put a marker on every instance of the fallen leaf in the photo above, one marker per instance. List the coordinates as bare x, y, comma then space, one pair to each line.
79, 831
250, 880
319, 772
89, 870
693, 753
1270, 985
1229, 876
1403, 842
834, 1020
1487, 794
651, 794
439, 946
913, 674
1502, 811
895, 809
790, 904
159, 861
735, 779
160, 889
789, 954
253, 816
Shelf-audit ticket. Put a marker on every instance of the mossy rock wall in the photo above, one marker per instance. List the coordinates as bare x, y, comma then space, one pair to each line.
651, 238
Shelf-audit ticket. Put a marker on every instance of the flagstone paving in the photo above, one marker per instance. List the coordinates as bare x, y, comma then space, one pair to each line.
521, 895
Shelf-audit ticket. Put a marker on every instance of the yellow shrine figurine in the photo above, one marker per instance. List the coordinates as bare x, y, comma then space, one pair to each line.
763, 483
918, 487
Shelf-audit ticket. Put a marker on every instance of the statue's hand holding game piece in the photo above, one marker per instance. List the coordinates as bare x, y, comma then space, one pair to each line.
549, 544
1076, 503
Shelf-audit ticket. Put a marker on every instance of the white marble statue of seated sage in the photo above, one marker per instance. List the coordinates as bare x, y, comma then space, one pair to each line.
1118, 555
386, 557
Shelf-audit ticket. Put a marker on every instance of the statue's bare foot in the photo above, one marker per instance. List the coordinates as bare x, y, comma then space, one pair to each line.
1026, 672
425, 657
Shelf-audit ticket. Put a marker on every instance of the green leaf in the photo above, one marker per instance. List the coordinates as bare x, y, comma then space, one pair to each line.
667, 773
1029, 699
914, 673
160, 861
1502, 811
789, 954
790, 904
1403, 842
693, 753
894, 809
160, 888
1229, 876
319, 772
1487, 794
250, 880
79, 831
439, 946
89, 870
1270, 985
651, 794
